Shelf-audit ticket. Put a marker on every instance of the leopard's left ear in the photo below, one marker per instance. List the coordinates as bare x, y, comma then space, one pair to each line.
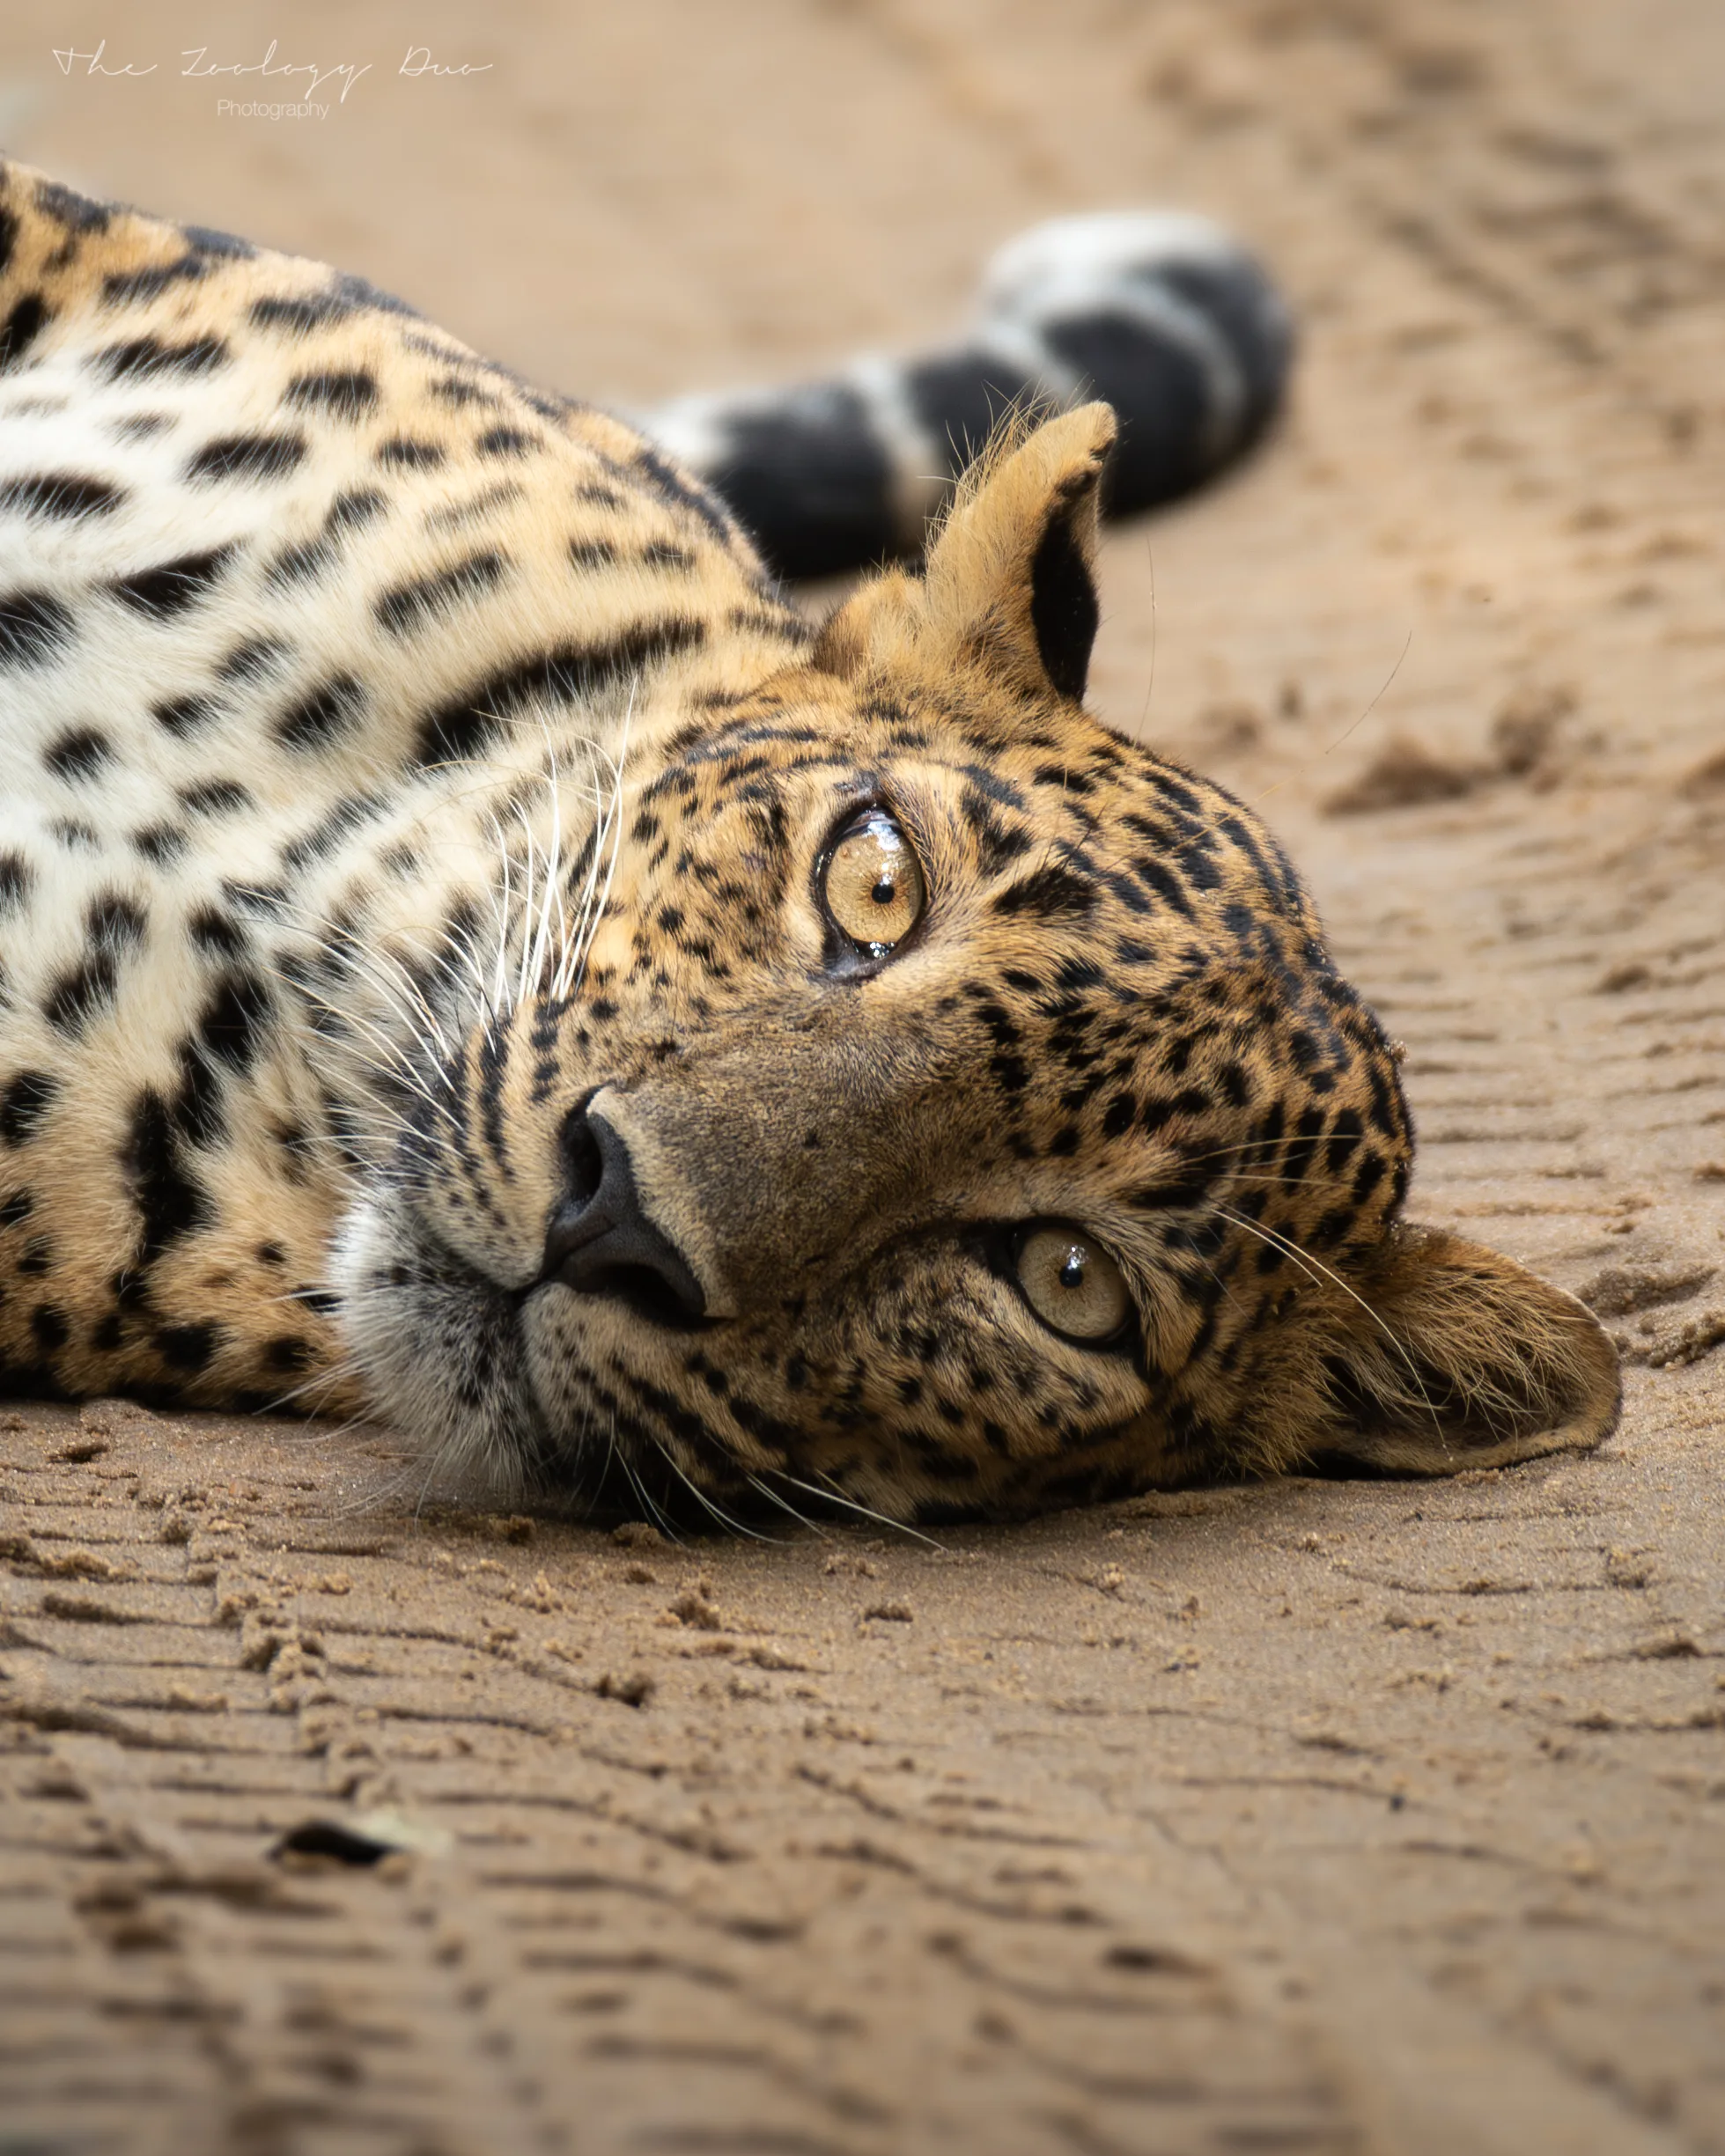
1011, 578
1008, 584
1453, 1356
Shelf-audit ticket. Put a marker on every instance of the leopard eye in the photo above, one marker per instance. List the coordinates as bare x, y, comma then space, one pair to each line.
872, 885
1072, 1283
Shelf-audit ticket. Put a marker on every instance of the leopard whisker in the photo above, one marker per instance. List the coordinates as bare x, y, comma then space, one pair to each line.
830, 1496
345, 1368
1315, 1268
785, 1506
703, 1498
657, 1517
615, 820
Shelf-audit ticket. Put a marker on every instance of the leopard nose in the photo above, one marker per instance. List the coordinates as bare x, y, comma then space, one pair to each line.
601, 1242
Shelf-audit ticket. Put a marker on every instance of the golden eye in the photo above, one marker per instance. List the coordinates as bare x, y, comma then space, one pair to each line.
1072, 1283
872, 887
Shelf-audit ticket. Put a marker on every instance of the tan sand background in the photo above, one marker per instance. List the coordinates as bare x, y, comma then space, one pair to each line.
1321, 1817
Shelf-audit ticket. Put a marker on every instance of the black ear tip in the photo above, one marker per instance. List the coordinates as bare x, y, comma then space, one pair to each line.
1063, 612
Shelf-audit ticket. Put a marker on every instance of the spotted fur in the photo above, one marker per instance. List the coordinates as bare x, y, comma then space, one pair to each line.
419, 998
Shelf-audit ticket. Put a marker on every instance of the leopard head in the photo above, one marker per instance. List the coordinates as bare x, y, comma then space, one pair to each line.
959, 1111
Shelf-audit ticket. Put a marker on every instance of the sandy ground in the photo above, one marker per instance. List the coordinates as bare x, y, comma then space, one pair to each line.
1318, 1817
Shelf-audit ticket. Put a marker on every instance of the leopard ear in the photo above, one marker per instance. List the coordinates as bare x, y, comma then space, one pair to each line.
1008, 584
875, 623
1455, 1356
1011, 578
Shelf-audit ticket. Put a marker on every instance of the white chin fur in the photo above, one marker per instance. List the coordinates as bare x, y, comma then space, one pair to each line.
441, 1357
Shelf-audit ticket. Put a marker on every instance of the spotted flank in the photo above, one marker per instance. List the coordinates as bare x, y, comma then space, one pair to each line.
473, 955
1164, 317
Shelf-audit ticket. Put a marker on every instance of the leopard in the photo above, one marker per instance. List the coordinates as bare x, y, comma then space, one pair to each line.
481, 955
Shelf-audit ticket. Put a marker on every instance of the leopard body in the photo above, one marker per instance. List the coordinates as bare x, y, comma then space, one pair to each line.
419, 994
